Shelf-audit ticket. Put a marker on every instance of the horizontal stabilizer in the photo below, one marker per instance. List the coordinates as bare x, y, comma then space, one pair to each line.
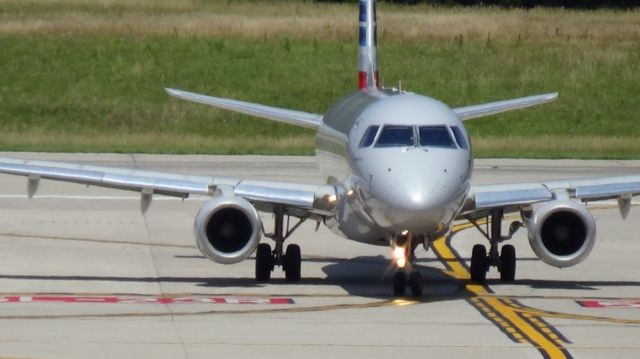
292, 117
491, 108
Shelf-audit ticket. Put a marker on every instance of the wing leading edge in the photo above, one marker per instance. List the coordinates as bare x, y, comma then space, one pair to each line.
492, 108
292, 117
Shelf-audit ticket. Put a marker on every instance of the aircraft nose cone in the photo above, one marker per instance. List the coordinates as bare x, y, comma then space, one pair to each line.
419, 194
414, 189
418, 205
420, 198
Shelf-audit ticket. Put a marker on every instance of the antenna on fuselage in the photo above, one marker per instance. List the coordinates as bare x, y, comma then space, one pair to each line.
367, 59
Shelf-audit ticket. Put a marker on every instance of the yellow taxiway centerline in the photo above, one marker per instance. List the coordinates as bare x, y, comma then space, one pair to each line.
520, 324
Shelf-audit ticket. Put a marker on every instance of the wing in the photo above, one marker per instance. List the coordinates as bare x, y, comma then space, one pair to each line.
292, 117
300, 199
491, 108
513, 196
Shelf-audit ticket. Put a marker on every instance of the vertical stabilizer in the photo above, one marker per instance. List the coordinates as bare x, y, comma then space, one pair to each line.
367, 60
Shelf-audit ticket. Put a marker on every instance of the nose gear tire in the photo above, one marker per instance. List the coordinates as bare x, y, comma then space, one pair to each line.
399, 283
415, 282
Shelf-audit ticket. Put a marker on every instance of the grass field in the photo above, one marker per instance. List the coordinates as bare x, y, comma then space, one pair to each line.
80, 75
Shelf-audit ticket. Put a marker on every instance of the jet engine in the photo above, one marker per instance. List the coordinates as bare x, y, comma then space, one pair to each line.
227, 229
562, 232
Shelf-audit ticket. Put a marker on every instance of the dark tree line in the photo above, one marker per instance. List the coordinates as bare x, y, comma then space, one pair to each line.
569, 4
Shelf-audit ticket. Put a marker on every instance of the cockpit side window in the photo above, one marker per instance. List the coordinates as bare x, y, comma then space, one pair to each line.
436, 136
369, 136
395, 136
460, 138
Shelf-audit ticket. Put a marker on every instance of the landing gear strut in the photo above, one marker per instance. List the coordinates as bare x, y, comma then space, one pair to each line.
403, 249
505, 260
267, 259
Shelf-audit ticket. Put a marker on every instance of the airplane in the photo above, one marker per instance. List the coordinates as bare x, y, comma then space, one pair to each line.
397, 169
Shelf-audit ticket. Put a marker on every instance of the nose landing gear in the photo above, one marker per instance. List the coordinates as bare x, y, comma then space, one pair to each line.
404, 258
400, 283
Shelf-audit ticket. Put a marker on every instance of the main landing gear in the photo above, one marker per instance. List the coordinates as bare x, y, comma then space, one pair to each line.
403, 258
267, 259
504, 260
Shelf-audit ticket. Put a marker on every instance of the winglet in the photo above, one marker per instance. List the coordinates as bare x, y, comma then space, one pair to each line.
367, 60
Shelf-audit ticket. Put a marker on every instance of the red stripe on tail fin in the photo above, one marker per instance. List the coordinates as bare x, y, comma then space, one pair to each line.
362, 80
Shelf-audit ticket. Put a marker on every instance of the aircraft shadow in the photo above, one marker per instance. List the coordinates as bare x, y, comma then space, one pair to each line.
372, 276
364, 276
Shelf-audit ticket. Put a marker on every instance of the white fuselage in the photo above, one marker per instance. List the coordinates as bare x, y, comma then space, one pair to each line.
401, 161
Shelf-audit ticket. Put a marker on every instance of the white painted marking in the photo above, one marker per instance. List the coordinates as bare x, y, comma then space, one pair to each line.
106, 198
141, 300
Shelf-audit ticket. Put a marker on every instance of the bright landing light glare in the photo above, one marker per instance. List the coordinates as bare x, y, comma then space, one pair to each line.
398, 255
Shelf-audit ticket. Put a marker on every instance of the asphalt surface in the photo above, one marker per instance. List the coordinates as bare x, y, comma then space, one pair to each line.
83, 274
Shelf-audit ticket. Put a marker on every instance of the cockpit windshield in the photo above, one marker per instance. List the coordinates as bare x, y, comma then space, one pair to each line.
396, 136
369, 136
436, 136
441, 136
462, 141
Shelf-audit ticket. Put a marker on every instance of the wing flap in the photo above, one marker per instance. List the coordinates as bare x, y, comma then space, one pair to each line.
491, 108
600, 192
299, 196
600, 188
522, 194
292, 117
496, 196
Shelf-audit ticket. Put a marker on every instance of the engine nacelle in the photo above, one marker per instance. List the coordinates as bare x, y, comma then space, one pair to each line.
562, 232
227, 229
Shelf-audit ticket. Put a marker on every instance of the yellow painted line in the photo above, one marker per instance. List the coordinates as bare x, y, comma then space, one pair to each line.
319, 308
532, 333
496, 307
550, 314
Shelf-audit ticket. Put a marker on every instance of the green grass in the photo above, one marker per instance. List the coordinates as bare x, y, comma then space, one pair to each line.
74, 86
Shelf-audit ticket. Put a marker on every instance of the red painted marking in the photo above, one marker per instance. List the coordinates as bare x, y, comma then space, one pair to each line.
362, 80
610, 303
11, 299
140, 300
281, 301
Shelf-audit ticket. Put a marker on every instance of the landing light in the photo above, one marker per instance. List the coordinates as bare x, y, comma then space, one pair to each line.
332, 198
417, 197
399, 256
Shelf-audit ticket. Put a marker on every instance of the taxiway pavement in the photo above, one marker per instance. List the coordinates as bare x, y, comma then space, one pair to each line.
83, 274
